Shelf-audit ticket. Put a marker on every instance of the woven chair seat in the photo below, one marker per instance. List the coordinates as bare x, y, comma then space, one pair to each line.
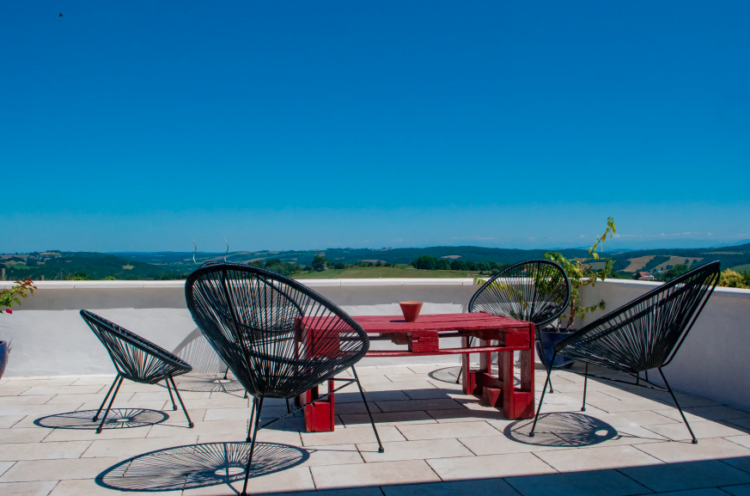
646, 333
135, 358
536, 291
249, 316
642, 335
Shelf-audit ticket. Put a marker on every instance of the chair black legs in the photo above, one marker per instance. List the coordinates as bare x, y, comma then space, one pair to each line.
252, 418
174, 405
96, 417
585, 384
118, 383
104, 417
179, 398
549, 368
256, 413
583, 407
674, 398
367, 407
541, 400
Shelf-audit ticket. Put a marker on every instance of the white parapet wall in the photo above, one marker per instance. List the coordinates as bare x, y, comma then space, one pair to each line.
50, 338
711, 362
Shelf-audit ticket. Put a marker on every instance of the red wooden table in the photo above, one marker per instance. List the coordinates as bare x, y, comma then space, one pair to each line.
493, 335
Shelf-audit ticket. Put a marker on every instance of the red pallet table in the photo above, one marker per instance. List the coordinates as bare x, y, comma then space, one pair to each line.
492, 335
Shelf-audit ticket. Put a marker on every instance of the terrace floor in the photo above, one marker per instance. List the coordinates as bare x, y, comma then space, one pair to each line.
437, 442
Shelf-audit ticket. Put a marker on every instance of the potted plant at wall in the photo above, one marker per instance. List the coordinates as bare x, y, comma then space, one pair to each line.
8, 298
581, 273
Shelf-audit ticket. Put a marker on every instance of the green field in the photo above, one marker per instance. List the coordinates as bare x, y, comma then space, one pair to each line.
742, 268
380, 272
638, 263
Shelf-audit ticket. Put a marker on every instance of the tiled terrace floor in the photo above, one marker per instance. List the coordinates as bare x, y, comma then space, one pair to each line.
437, 442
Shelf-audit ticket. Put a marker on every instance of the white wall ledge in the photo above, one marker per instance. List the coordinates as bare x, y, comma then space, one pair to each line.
51, 339
334, 283
313, 283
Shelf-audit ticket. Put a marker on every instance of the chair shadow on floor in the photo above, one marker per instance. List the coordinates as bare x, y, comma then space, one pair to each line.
118, 418
209, 383
202, 465
210, 374
563, 429
446, 374
449, 375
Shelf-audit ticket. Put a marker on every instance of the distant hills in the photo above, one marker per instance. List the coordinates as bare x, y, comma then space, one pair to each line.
351, 255
56, 265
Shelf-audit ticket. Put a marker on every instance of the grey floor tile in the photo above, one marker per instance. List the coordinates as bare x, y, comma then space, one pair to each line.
414, 450
417, 432
4, 466
702, 430
685, 451
90, 487
741, 440
43, 451
26, 488
611, 457
696, 492
351, 435
702, 413
743, 490
354, 491
742, 463
429, 394
691, 475
595, 483
6, 422
482, 467
394, 418
481, 487
740, 422
63, 469
297, 479
434, 404
10, 436
372, 474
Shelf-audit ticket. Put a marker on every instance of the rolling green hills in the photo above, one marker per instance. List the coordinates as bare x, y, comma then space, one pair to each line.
58, 265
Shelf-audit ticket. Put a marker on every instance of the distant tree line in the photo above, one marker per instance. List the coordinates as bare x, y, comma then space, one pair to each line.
275, 265
426, 262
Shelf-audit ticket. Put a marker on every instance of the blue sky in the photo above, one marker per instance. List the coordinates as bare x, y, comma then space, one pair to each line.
140, 126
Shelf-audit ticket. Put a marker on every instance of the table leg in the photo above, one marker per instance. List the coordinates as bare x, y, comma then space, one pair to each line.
499, 390
319, 415
469, 377
507, 378
518, 403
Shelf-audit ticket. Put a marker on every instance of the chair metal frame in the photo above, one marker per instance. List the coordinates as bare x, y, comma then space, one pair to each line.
251, 317
488, 298
642, 335
136, 359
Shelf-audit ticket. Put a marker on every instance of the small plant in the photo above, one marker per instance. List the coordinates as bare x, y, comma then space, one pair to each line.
732, 279
12, 296
581, 273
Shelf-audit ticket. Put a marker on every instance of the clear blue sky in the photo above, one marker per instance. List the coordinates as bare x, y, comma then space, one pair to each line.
139, 126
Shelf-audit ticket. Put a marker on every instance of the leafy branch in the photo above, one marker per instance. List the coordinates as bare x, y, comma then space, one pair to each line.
12, 296
581, 273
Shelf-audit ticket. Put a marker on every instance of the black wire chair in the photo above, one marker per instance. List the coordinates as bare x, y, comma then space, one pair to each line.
137, 360
644, 334
536, 291
278, 337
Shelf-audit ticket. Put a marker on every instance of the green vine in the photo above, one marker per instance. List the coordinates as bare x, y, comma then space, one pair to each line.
12, 296
581, 274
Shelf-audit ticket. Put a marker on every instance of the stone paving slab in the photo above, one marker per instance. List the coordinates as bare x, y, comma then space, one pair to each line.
437, 441
596, 483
